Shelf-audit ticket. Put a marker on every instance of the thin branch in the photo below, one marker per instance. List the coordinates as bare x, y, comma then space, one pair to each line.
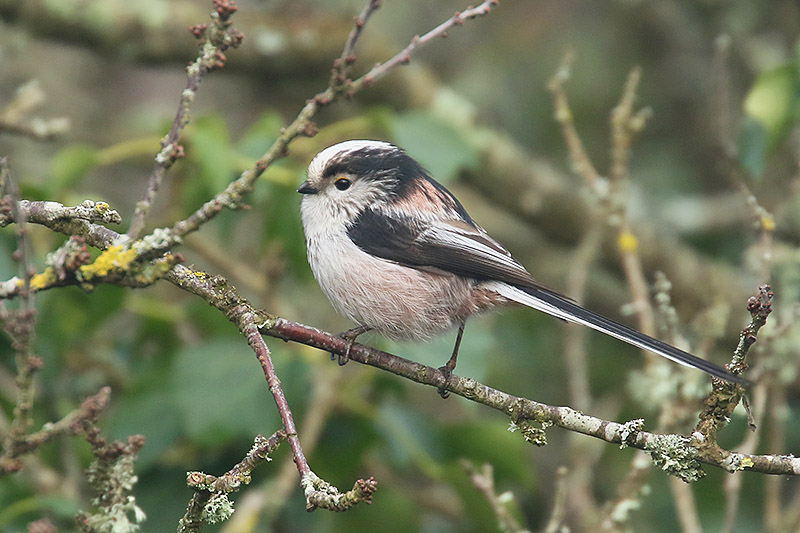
685, 506
265, 503
220, 294
210, 501
217, 38
340, 73
575, 338
72, 423
19, 325
47, 213
483, 480
14, 117
733, 484
558, 516
249, 329
669, 447
581, 162
404, 56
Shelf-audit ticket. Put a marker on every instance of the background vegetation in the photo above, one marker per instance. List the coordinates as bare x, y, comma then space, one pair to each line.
710, 194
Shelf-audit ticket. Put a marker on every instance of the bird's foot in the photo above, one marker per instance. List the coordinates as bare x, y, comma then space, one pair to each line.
447, 374
350, 337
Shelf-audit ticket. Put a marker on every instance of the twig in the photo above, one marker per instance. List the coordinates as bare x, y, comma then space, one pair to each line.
19, 324
112, 477
72, 423
217, 38
264, 503
733, 484
685, 506
483, 480
625, 124
220, 294
340, 74
725, 397
581, 162
558, 516
575, 338
776, 436
47, 213
14, 117
210, 501
404, 56
580, 497
249, 329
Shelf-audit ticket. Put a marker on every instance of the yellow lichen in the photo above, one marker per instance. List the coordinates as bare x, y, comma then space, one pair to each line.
115, 258
102, 207
41, 281
768, 223
627, 242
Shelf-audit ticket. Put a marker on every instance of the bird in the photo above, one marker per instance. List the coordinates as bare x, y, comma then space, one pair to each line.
397, 253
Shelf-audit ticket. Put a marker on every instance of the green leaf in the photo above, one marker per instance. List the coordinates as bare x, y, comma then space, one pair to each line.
439, 147
260, 135
753, 146
211, 150
221, 393
71, 165
152, 413
771, 108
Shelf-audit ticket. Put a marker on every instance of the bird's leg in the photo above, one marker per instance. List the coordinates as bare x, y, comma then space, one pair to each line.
447, 369
350, 336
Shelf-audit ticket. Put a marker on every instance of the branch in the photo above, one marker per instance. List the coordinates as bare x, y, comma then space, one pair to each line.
14, 117
483, 480
219, 293
674, 453
210, 501
217, 37
404, 56
724, 398
73, 423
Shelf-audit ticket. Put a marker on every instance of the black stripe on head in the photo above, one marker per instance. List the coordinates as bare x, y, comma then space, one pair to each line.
374, 163
401, 175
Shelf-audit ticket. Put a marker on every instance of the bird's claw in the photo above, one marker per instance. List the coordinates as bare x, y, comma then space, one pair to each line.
350, 336
447, 374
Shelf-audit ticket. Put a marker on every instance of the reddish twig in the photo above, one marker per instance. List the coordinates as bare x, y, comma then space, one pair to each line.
404, 55
340, 73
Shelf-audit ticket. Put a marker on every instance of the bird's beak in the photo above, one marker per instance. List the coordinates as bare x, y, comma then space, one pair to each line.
307, 188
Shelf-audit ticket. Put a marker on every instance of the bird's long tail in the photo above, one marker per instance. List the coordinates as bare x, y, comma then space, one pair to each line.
558, 306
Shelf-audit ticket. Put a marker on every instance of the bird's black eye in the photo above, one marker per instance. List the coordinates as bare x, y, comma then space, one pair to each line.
342, 184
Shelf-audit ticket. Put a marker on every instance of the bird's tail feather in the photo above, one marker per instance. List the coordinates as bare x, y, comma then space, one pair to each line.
558, 306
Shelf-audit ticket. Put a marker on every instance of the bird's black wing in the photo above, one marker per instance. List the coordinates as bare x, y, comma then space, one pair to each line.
456, 246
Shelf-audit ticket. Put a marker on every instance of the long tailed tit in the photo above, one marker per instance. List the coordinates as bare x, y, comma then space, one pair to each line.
396, 252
